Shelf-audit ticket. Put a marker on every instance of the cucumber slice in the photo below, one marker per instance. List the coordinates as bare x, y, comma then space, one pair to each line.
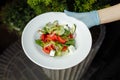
58, 53
71, 49
66, 27
60, 31
55, 22
73, 29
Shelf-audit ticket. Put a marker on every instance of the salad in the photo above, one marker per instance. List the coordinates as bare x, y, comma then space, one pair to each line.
56, 39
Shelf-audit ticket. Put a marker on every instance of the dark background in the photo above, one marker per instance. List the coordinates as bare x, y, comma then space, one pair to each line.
107, 59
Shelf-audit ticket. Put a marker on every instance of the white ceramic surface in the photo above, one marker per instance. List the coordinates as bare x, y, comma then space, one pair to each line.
34, 52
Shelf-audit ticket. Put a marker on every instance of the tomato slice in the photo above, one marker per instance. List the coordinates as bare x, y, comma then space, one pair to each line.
46, 50
64, 48
52, 46
61, 40
71, 36
43, 37
52, 37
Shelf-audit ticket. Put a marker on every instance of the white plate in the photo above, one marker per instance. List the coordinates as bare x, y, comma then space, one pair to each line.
35, 54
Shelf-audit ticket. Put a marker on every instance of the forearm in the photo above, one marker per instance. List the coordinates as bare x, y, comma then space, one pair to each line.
110, 14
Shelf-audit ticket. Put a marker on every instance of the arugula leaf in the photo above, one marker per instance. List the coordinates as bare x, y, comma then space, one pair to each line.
44, 30
39, 42
70, 42
66, 33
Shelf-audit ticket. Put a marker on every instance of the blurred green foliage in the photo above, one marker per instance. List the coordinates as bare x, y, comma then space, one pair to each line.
88, 5
19, 12
41, 6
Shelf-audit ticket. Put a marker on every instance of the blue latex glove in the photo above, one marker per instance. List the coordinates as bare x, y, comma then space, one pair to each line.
89, 18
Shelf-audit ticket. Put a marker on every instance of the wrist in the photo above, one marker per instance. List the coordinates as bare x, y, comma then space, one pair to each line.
95, 17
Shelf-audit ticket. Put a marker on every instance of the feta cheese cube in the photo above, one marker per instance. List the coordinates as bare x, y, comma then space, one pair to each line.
52, 53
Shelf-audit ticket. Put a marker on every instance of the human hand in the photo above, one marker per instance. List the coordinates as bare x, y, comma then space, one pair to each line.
89, 18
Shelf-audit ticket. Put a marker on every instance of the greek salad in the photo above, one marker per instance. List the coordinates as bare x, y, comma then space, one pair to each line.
57, 39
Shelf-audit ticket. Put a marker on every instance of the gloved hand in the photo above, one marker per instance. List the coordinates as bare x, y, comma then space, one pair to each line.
89, 18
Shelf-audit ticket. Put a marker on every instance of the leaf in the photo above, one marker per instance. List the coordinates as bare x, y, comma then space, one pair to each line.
70, 42
39, 42
66, 33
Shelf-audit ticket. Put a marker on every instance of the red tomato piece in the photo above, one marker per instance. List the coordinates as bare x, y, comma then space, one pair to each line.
71, 36
46, 50
52, 37
52, 46
61, 40
64, 48
42, 37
